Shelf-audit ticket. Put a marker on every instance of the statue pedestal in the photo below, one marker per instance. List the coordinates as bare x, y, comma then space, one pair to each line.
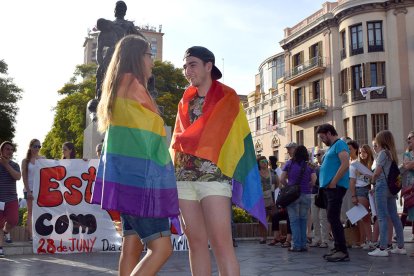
91, 138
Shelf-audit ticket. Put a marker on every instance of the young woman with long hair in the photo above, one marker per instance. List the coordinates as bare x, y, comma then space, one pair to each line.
135, 175
28, 165
360, 185
68, 150
386, 202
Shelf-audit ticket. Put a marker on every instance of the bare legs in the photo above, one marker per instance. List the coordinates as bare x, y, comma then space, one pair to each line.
158, 252
29, 217
209, 220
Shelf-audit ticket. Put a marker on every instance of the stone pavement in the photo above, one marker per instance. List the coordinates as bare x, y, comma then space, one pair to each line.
254, 258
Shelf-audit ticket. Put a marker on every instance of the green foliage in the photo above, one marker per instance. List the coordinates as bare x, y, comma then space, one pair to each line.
10, 94
170, 84
241, 216
22, 216
70, 119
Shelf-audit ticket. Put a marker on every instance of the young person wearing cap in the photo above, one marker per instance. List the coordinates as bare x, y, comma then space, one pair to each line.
291, 148
207, 115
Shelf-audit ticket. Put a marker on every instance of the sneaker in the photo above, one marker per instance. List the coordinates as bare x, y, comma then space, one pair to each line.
397, 250
368, 246
378, 253
7, 238
1, 253
356, 246
331, 252
323, 245
389, 248
338, 256
315, 244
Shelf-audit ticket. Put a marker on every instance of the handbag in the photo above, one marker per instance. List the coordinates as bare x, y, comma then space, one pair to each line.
408, 195
290, 193
320, 200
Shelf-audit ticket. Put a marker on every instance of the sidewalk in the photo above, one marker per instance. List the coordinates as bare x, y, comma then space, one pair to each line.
254, 258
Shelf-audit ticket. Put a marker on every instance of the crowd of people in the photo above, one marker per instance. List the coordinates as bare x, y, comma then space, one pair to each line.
206, 168
342, 175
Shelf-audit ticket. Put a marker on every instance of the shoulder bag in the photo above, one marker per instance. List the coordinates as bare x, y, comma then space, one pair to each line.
290, 193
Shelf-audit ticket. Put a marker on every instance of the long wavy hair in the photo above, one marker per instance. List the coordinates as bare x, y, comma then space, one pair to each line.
370, 156
385, 140
128, 57
300, 154
29, 152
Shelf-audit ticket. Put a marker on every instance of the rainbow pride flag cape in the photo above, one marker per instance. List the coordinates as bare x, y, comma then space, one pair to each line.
222, 136
135, 174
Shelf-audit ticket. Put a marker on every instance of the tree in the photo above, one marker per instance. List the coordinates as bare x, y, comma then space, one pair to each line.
170, 84
10, 94
70, 119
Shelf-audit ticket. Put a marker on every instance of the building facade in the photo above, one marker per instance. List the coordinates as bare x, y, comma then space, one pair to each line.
348, 64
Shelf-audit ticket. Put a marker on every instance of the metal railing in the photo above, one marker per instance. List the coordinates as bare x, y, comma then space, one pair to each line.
307, 65
307, 107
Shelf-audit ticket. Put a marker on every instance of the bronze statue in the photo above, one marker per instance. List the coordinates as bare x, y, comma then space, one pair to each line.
110, 33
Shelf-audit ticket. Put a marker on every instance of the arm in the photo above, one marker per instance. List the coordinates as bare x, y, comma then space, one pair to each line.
283, 177
344, 158
15, 174
408, 165
313, 179
25, 179
352, 187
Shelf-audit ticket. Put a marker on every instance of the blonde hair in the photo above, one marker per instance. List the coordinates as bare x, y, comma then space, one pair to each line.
128, 57
29, 152
385, 140
370, 156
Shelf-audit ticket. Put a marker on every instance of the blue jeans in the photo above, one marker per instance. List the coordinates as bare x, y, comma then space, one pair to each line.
298, 215
386, 204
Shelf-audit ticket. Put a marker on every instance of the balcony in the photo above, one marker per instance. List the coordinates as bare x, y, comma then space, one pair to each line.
357, 95
314, 66
356, 49
375, 46
307, 111
343, 54
379, 95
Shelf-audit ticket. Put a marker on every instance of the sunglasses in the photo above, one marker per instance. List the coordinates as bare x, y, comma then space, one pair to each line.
36, 147
318, 154
263, 161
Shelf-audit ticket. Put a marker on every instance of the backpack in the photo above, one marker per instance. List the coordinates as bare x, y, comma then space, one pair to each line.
393, 178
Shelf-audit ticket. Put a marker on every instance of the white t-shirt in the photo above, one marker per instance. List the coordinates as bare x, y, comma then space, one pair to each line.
357, 171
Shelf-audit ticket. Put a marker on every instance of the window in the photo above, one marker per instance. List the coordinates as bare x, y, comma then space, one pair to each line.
343, 44
258, 127
316, 141
299, 137
375, 42
344, 81
379, 122
297, 63
315, 53
316, 90
298, 97
261, 80
360, 129
356, 83
375, 76
346, 127
275, 118
357, 46
278, 66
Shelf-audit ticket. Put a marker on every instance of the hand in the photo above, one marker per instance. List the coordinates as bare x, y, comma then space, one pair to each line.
331, 185
354, 200
4, 161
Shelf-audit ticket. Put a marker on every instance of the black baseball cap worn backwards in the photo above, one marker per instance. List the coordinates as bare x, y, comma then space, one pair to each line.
205, 55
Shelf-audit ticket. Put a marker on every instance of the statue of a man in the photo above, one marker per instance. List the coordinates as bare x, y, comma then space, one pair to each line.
110, 33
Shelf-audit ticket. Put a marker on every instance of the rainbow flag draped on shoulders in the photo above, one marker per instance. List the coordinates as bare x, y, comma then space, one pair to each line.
222, 135
135, 174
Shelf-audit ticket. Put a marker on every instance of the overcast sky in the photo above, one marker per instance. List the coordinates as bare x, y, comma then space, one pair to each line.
42, 42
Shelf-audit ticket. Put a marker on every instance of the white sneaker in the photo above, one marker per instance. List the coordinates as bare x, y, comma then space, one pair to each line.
368, 246
397, 250
379, 253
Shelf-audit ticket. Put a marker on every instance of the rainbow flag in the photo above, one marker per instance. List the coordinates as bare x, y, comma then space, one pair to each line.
135, 174
222, 136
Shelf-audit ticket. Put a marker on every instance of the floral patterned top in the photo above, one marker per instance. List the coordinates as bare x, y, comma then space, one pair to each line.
192, 168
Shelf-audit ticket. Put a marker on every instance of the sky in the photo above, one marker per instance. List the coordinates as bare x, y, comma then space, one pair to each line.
42, 42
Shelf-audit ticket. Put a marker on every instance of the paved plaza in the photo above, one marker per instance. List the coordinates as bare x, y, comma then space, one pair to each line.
254, 258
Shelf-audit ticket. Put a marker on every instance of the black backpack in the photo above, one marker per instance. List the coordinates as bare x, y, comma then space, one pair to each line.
393, 178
